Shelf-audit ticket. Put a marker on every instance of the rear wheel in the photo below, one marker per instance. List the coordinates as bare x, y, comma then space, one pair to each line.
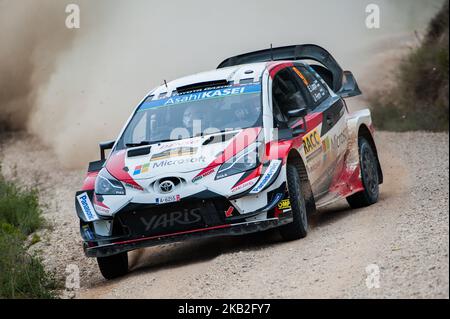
299, 227
369, 175
113, 266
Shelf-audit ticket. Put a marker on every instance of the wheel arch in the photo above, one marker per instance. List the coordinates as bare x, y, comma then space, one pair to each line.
364, 131
294, 158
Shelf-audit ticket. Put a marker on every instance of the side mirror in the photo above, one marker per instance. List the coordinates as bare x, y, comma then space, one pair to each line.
105, 146
299, 130
297, 113
349, 86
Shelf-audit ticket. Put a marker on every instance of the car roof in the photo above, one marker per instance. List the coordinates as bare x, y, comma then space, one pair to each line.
236, 74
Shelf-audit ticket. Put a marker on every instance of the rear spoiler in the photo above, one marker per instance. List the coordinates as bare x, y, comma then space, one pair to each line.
293, 52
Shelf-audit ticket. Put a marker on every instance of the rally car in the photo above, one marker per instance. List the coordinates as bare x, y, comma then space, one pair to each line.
260, 142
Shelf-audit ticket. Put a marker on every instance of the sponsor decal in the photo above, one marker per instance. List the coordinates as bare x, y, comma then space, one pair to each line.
339, 140
202, 95
200, 176
137, 187
176, 144
164, 163
184, 217
244, 185
229, 211
312, 142
141, 169
101, 209
86, 207
176, 152
314, 87
144, 168
168, 199
284, 204
315, 163
300, 74
333, 144
87, 232
100, 206
326, 144
270, 172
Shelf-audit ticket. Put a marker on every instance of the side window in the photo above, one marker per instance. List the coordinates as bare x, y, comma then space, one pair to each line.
314, 88
140, 130
287, 95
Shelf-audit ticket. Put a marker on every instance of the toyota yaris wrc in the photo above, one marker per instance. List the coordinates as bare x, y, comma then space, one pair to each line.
260, 142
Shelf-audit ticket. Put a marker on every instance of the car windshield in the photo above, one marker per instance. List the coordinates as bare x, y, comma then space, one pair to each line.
194, 113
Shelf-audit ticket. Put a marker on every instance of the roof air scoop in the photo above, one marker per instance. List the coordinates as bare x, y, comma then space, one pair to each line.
201, 86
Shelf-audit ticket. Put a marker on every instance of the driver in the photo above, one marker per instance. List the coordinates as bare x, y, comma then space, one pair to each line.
246, 111
254, 106
190, 115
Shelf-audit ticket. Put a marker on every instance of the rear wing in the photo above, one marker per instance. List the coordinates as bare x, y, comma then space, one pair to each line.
293, 52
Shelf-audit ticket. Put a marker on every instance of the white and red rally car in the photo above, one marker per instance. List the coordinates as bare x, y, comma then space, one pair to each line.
260, 142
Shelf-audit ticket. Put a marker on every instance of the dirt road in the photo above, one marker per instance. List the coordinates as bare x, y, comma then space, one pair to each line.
404, 236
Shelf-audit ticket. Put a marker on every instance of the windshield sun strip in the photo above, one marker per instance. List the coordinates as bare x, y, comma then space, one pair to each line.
254, 89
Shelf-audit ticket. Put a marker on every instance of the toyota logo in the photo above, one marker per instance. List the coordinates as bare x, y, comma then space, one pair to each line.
166, 186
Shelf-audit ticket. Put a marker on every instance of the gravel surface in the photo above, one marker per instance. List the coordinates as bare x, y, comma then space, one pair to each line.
404, 236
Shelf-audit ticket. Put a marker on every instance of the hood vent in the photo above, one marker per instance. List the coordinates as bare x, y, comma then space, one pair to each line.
219, 138
201, 86
139, 151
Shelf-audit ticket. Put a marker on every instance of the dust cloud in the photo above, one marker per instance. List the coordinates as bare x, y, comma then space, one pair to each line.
74, 88
30, 40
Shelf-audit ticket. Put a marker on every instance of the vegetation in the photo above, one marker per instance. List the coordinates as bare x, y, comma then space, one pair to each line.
420, 98
22, 274
19, 208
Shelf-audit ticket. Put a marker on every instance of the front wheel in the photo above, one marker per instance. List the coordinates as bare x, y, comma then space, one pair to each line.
113, 266
369, 175
299, 227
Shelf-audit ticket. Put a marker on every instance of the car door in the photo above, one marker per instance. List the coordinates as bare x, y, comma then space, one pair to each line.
288, 94
325, 143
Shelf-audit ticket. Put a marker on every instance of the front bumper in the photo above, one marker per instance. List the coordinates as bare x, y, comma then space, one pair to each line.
214, 231
143, 225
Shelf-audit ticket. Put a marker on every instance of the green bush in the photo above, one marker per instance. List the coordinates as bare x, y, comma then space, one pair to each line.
420, 98
22, 275
19, 208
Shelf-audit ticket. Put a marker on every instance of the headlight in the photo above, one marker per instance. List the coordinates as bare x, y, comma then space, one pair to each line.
105, 184
245, 160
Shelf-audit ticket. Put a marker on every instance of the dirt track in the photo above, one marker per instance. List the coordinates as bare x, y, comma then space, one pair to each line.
405, 235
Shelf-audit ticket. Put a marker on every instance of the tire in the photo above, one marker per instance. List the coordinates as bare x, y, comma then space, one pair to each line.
369, 175
113, 266
299, 227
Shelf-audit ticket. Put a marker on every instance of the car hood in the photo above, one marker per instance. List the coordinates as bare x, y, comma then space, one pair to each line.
180, 156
